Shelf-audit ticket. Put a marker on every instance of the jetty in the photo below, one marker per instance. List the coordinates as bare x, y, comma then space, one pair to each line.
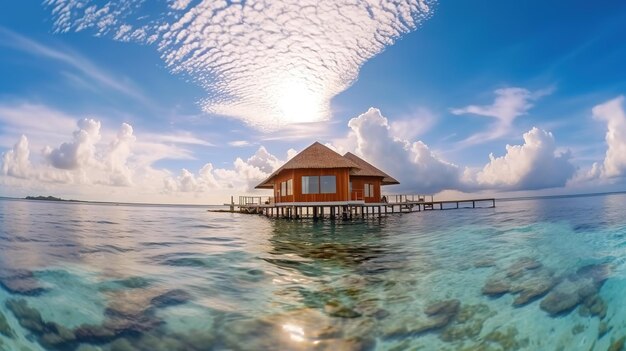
319, 182
266, 205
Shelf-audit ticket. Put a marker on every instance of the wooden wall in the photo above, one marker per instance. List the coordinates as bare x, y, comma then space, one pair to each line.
358, 188
342, 175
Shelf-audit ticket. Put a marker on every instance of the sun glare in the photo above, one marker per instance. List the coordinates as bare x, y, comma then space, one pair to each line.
296, 333
298, 103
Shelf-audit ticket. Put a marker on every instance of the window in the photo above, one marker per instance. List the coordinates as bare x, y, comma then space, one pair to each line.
283, 188
369, 190
328, 184
290, 187
310, 185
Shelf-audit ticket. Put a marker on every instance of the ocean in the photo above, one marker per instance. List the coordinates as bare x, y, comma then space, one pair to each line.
532, 274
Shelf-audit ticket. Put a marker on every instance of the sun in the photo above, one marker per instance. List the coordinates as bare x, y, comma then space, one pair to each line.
298, 103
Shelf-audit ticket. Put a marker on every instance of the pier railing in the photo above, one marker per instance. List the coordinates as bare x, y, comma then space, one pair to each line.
255, 200
397, 198
356, 195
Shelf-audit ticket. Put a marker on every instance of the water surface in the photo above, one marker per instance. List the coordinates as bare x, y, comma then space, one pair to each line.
542, 274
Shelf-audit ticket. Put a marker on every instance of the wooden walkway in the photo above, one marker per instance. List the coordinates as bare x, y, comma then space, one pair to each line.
352, 209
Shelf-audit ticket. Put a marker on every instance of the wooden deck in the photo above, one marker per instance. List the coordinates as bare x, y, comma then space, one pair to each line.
351, 209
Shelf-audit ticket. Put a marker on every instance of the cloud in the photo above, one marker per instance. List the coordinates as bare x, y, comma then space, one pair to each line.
530, 166
188, 182
96, 163
78, 153
86, 159
410, 127
614, 164
16, 162
243, 176
120, 150
239, 143
534, 165
74, 60
181, 137
509, 104
16, 118
416, 166
268, 63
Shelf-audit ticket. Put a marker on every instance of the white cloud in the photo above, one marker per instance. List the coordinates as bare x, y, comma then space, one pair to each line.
239, 143
264, 161
188, 182
97, 163
509, 104
534, 165
410, 127
530, 166
117, 157
78, 153
16, 162
16, 118
181, 137
412, 163
614, 164
269, 63
89, 160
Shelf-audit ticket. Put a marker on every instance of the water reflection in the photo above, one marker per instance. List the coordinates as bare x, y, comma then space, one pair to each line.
132, 277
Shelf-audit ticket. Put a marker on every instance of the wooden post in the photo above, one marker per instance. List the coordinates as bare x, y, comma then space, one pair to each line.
473, 204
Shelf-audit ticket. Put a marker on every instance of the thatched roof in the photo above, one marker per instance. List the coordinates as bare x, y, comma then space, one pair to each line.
366, 169
314, 156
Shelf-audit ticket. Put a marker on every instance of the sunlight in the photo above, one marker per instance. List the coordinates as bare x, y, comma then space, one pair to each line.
296, 333
298, 103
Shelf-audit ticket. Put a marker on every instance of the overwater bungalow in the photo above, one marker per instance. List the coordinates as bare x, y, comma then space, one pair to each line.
320, 175
319, 181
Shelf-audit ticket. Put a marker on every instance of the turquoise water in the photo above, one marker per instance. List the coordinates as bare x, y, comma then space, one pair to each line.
542, 274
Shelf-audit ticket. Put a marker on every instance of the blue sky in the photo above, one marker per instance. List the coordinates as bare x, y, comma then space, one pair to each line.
451, 84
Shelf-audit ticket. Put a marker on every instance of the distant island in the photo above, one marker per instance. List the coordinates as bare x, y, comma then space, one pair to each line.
48, 198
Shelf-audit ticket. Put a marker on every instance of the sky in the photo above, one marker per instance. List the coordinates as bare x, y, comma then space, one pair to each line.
183, 101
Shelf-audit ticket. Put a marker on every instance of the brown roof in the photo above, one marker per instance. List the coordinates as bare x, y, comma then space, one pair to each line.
366, 169
314, 156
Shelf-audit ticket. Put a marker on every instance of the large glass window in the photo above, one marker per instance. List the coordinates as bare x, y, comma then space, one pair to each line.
310, 185
290, 187
328, 184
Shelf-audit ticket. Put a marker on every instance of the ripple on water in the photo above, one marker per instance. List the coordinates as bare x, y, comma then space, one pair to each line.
133, 277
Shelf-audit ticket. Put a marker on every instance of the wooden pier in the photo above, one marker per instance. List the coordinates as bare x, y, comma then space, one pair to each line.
266, 206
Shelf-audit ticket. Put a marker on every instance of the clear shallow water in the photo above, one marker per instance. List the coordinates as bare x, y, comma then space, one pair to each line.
531, 275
